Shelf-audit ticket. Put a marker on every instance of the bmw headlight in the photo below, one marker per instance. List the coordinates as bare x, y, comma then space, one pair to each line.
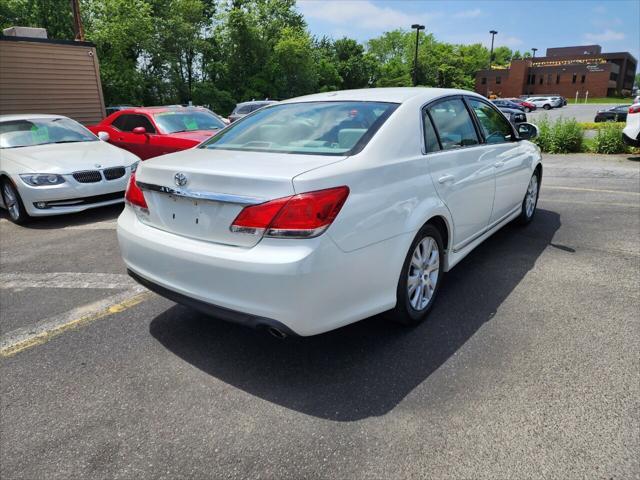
42, 179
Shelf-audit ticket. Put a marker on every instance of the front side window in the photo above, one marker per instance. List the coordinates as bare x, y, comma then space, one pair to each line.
186, 121
42, 131
494, 126
453, 124
324, 128
127, 122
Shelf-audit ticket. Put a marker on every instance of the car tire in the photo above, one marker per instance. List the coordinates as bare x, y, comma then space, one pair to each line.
412, 307
527, 109
546, 106
530, 202
13, 203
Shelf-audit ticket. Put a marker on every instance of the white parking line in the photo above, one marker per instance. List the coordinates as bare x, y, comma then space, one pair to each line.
105, 225
65, 280
596, 190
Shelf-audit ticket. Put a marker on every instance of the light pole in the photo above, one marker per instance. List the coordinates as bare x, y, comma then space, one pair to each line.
493, 34
534, 50
415, 58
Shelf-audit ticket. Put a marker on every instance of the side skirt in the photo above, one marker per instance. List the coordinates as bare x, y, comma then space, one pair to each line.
459, 252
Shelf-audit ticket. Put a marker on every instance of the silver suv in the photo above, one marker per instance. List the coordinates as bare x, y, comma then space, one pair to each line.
245, 108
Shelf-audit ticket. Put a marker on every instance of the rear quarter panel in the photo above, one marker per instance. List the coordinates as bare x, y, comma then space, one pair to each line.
391, 190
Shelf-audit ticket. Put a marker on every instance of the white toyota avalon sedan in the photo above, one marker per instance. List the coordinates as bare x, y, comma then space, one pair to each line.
51, 165
323, 210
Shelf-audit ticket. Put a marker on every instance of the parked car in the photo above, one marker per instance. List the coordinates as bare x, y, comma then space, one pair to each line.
558, 102
319, 211
52, 165
245, 108
526, 106
152, 131
542, 102
514, 116
503, 103
636, 99
117, 108
612, 114
631, 131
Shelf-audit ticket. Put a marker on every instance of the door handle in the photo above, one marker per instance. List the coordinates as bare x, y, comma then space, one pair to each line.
446, 178
498, 164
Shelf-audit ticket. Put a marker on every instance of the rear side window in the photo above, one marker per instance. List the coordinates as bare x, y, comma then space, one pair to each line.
430, 139
453, 123
243, 109
494, 126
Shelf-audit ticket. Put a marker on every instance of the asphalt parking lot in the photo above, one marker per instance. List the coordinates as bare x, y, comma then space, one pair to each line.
527, 368
581, 112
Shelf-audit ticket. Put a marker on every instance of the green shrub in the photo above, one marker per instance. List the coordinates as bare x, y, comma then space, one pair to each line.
609, 140
562, 136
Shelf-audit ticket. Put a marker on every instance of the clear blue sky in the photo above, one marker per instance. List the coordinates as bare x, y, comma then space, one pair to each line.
521, 25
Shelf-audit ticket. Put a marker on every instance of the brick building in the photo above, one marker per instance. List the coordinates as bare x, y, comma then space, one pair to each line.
563, 71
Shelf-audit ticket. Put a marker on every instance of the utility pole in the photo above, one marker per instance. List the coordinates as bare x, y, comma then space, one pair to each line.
415, 58
493, 34
78, 29
534, 50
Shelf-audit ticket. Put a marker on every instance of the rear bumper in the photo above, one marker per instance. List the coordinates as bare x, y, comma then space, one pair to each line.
216, 311
303, 287
629, 140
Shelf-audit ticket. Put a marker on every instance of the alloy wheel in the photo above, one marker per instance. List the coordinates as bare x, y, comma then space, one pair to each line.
532, 196
11, 201
423, 273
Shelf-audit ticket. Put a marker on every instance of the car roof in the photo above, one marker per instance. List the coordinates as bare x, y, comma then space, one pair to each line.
28, 116
390, 94
161, 109
256, 102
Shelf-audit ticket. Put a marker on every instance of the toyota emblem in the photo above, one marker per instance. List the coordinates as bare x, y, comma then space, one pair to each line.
180, 179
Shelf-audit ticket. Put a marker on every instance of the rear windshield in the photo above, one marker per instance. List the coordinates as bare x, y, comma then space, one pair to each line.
186, 121
324, 128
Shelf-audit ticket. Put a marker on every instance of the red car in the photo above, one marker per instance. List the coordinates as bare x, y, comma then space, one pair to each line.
152, 131
528, 106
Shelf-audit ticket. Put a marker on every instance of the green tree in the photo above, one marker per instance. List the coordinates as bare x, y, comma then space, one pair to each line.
54, 15
293, 64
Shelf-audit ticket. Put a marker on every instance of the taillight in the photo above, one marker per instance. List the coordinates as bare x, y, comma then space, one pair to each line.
133, 194
304, 215
634, 108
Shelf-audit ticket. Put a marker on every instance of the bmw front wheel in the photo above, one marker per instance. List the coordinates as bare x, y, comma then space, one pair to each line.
13, 203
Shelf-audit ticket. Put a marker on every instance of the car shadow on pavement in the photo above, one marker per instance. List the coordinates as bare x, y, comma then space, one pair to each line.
367, 368
87, 217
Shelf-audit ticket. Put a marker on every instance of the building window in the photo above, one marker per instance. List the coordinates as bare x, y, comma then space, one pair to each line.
613, 76
541, 79
573, 80
483, 81
498, 80
533, 79
549, 78
557, 79
582, 79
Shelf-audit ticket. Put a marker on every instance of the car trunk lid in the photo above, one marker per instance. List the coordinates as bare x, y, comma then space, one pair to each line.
198, 193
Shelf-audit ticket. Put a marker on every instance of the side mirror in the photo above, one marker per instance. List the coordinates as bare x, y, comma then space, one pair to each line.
527, 131
139, 130
104, 136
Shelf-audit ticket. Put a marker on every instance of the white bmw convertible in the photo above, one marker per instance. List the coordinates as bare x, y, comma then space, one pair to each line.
323, 210
50, 165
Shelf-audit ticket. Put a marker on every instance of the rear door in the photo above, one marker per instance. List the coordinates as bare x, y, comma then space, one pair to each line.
510, 161
462, 172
